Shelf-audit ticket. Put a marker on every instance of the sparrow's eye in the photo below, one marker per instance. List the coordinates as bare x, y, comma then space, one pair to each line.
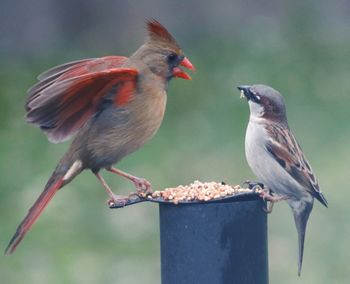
172, 58
254, 96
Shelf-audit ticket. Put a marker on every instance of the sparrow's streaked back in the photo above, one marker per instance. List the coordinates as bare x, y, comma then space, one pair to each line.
276, 158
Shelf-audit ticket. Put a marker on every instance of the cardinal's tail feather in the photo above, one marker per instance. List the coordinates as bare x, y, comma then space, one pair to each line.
59, 178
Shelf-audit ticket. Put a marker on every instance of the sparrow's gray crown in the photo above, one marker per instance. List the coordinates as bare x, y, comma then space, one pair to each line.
265, 102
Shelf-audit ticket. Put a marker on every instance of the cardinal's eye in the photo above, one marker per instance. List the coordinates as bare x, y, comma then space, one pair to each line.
172, 58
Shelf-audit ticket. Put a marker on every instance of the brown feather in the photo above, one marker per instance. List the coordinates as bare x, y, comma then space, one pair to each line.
287, 152
158, 34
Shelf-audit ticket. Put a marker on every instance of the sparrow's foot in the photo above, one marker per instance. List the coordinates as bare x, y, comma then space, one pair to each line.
266, 195
255, 186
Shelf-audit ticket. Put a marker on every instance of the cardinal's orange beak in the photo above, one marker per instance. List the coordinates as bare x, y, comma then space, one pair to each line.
178, 72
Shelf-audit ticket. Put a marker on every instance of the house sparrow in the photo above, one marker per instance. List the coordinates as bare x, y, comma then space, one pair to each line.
113, 105
276, 158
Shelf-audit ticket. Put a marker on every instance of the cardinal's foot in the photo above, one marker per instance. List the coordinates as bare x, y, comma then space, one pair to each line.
118, 201
143, 186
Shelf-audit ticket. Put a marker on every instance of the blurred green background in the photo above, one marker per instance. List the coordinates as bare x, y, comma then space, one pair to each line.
301, 48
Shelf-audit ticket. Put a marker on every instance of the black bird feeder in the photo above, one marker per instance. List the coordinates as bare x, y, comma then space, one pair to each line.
220, 241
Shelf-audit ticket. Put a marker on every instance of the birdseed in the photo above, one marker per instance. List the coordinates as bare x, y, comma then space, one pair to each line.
198, 191
241, 95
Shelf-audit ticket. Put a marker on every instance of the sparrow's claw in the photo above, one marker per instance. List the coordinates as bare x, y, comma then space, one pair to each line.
254, 186
268, 210
266, 195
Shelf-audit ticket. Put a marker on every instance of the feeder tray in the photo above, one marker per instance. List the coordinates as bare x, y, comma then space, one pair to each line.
236, 194
216, 240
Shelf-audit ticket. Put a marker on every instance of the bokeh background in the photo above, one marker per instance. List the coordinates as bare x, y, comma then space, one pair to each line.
301, 48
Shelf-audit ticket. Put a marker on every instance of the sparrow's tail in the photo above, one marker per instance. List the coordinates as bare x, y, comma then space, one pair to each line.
301, 212
63, 174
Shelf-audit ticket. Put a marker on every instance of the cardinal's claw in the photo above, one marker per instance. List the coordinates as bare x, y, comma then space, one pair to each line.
118, 200
143, 187
133, 195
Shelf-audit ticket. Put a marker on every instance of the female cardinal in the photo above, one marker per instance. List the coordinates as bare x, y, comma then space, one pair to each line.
113, 104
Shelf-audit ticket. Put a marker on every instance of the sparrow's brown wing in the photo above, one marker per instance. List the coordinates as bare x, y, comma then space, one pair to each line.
284, 148
68, 95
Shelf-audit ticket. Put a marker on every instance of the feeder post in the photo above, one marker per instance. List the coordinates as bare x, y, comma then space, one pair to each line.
214, 243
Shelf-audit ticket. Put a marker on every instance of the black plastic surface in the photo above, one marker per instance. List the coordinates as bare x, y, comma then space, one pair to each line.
214, 243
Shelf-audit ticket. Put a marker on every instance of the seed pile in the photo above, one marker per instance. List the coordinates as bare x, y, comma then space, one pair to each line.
198, 191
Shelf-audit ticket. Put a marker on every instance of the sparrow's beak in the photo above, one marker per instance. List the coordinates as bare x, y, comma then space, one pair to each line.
247, 92
178, 72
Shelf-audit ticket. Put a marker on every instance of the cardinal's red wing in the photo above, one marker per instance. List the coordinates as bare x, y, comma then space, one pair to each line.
63, 106
72, 69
